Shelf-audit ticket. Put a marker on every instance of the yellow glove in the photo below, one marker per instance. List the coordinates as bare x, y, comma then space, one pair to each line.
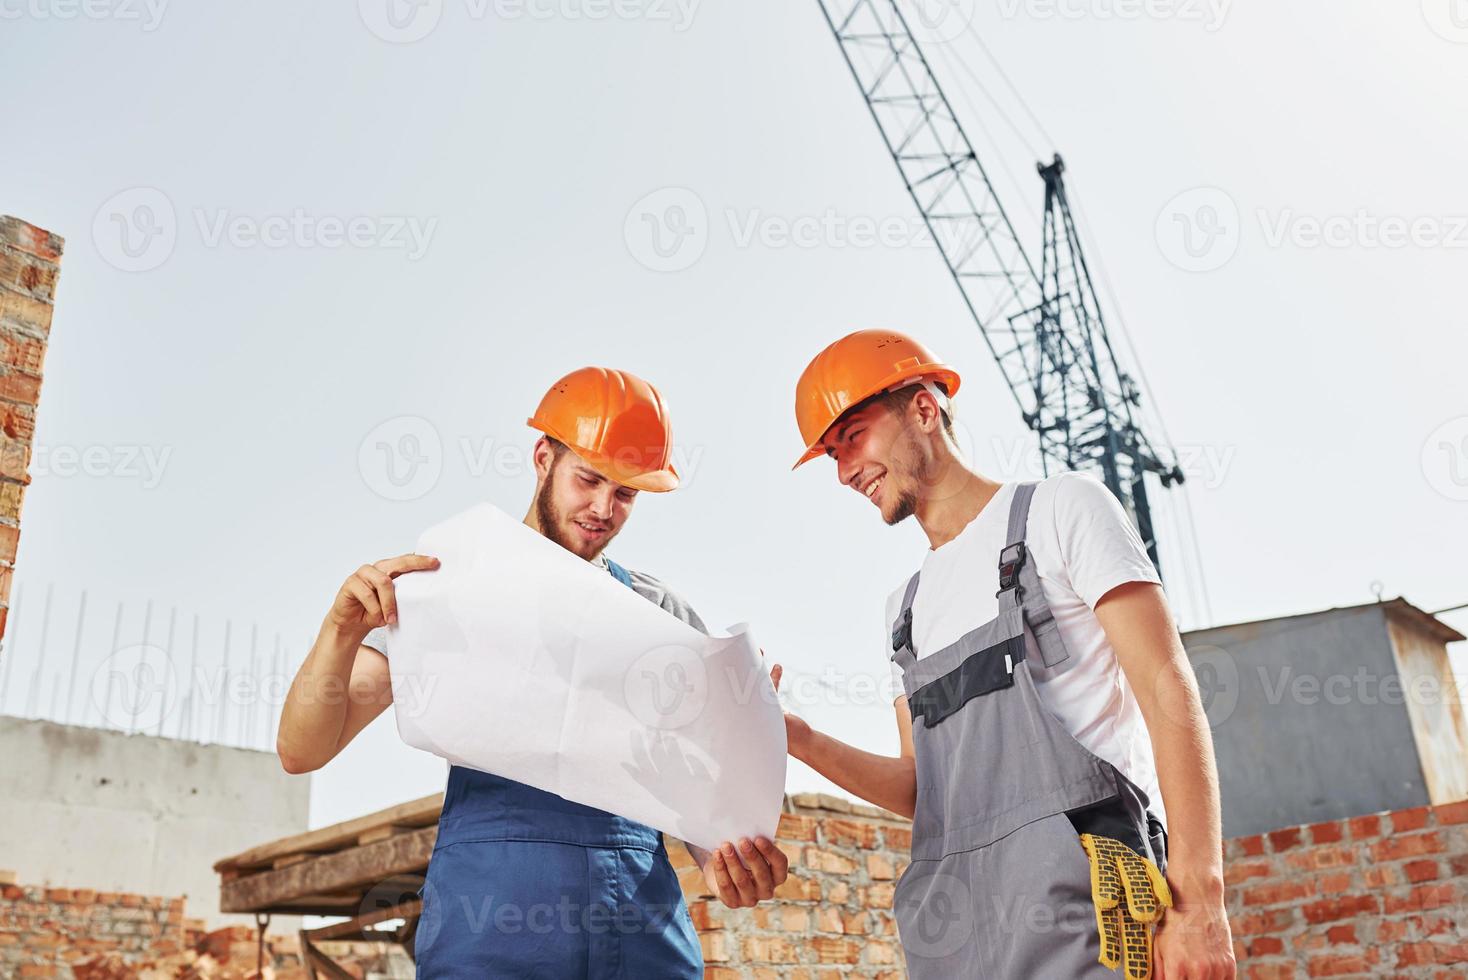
1126, 927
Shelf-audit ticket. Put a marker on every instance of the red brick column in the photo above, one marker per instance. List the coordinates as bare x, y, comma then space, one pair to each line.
29, 263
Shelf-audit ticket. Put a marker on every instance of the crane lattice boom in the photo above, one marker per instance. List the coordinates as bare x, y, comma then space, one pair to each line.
1044, 326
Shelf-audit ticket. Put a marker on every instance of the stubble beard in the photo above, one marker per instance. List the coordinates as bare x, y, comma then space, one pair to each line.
914, 469
550, 520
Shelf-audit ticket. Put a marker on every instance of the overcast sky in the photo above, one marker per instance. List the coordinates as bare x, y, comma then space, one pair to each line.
323, 259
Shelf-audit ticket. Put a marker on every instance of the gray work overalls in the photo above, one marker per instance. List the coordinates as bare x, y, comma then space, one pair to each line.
999, 886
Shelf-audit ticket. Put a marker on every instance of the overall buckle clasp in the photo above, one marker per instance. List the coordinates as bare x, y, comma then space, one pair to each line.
902, 632
1011, 560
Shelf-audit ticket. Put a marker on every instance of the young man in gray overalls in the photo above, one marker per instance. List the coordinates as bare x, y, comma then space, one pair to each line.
523, 883
1051, 731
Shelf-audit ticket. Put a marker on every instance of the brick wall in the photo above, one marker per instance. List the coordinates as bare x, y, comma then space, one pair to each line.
87, 935
1371, 896
833, 916
1378, 895
29, 260
45, 931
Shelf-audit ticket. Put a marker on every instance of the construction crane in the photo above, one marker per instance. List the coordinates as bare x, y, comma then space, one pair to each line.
1044, 327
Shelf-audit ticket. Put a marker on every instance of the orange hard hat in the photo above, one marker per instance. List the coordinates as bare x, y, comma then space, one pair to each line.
855, 368
614, 421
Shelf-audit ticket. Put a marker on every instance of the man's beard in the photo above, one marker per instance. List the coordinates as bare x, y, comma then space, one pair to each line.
550, 521
905, 508
548, 517
917, 469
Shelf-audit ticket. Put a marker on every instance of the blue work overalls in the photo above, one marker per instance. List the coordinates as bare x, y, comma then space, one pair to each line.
523, 883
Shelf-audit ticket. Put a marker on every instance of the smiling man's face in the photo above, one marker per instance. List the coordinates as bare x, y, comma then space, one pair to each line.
577, 507
876, 456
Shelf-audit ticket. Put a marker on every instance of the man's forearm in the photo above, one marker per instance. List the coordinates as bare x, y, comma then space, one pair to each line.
879, 779
315, 709
1189, 780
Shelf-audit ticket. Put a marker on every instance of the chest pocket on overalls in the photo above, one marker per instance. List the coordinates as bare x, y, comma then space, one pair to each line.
981, 668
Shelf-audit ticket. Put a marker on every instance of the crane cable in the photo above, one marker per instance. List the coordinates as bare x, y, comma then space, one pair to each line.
976, 118
1126, 335
1191, 542
972, 32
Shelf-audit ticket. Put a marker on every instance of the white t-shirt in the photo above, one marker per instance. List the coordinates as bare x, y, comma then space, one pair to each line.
1083, 546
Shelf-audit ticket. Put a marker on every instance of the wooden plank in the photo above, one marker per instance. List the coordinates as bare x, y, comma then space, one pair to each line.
340, 871
409, 937
285, 862
342, 910
319, 961
378, 833
306, 960
353, 928
415, 813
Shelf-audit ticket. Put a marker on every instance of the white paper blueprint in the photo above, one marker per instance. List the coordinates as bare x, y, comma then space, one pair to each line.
518, 658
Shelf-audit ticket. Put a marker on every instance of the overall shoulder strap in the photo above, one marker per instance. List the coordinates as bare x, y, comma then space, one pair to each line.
903, 652
1019, 581
619, 573
1015, 557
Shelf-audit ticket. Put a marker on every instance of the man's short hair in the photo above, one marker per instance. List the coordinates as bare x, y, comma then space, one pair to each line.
897, 400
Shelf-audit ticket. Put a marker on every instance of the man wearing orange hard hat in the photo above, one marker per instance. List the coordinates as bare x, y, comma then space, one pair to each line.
523, 882
1051, 733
